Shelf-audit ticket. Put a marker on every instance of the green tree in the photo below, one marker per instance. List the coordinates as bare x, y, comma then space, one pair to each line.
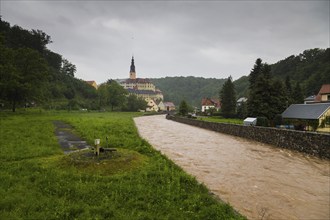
183, 108
135, 103
112, 94
297, 94
259, 96
242, 110
228, 98
23, 73
278, 98
255, 72
288, 88
68, 68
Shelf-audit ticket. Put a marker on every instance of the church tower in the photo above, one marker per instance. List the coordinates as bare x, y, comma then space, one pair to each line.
132, 73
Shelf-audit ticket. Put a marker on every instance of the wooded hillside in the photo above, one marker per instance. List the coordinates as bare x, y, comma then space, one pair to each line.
310, 69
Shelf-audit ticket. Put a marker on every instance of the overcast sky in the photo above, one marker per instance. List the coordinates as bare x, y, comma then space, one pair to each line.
173, 38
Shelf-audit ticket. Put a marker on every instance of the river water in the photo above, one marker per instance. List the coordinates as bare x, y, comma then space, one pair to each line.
258, 180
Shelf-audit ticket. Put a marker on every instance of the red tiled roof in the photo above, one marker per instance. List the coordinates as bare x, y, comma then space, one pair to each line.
210, 102
325, 89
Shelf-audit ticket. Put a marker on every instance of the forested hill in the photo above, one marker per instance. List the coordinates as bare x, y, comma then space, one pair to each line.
192, 89
31, 74
310, 69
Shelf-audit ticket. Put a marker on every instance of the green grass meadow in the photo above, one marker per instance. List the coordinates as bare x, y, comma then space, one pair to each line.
38, 181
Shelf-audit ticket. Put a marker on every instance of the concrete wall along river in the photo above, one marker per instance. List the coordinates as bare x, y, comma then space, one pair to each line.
258, 180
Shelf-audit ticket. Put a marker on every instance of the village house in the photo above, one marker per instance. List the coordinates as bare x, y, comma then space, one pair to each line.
166, 106
208, 103
240, 101
305, 113
92, 83
151, 105
324, 94
322, 97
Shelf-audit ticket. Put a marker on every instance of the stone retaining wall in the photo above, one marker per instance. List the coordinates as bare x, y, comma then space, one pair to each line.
307, 142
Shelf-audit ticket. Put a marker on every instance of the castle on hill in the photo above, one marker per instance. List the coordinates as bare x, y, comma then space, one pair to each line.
141, 87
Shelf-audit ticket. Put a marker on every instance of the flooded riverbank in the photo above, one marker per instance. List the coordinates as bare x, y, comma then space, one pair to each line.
260, 181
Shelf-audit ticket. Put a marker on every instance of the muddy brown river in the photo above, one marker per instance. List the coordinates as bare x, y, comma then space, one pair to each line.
258, 180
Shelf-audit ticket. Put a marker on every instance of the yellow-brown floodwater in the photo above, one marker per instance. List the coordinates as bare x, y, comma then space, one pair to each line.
258, 180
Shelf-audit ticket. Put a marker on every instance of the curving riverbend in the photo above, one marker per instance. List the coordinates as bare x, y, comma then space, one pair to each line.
258, 180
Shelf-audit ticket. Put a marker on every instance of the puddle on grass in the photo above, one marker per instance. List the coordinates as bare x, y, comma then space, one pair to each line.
68, 141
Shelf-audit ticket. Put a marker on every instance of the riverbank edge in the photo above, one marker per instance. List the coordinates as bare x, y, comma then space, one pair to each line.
311, 143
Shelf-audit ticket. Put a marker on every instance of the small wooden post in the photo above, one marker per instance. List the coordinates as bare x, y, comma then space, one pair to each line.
97, 147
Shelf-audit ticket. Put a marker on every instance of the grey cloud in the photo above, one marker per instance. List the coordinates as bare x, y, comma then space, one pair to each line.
210, 39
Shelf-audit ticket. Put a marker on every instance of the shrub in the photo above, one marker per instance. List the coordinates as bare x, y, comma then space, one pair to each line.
262, 121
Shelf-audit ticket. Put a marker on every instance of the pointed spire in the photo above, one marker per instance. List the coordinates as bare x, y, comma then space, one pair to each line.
132, 65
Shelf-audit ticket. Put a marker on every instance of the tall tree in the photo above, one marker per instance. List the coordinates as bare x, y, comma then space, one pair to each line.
279, 99
135, 103
68, 68
23, 73
297, 94
228, 98
183, 108
112, 94
255, 72
259, 97
288, 88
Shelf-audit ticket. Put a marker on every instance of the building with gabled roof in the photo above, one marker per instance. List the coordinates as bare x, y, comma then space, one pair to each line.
208, 103
324, 94
166, 106
308, 112
303, 111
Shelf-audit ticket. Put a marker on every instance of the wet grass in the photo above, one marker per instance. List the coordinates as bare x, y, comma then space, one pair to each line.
222, 120
37, 181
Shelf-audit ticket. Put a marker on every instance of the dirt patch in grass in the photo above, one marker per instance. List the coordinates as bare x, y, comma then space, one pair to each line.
81, 156
106, 163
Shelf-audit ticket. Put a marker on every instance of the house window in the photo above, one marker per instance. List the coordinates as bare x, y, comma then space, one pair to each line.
328, 98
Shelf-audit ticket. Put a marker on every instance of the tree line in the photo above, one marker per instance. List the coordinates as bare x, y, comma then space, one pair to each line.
267, 96
33, 75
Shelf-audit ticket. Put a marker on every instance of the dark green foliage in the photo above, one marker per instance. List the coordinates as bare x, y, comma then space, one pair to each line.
135, 103
112, 94
32, 73
255, 72
183, 108
311, 69
242, 111
241, 86
228, 99
190, 88
22, 73
259, 97
68, 68
278, 120
267, 97
262, 121
297, 95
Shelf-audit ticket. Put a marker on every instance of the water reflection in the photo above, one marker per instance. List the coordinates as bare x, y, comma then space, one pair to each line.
260, 181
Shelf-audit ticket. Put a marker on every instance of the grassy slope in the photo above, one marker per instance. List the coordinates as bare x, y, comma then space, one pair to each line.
37, 181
